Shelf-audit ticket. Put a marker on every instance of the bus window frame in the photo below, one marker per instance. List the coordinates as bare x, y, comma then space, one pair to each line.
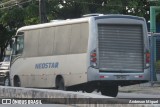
15, 53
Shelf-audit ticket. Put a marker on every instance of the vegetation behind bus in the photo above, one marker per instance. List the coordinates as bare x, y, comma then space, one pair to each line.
14, 17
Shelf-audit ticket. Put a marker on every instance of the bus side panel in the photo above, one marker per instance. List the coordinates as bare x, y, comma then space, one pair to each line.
42, 71
50, 51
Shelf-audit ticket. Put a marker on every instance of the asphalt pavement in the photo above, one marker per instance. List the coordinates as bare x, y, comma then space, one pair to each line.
145, 88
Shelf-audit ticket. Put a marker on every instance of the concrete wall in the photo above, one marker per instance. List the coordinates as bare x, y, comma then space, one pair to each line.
61, 97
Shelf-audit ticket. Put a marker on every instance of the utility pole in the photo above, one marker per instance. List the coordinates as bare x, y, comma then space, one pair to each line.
42, 11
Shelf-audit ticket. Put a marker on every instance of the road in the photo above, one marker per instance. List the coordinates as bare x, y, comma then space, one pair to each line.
120, 95
96, 95
134, 95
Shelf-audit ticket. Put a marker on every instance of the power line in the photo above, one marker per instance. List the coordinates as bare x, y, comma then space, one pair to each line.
19, 2
15, 4
103, 4
10, 2
4, 3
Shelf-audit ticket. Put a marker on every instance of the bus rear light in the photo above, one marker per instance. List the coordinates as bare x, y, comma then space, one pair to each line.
93, 55
93, 58
139, 76
101, 76
147, 59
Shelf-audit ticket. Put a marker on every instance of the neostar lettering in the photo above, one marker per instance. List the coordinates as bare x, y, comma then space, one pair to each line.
46, 65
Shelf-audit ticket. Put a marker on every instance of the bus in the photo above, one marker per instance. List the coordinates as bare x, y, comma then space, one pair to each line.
89, 53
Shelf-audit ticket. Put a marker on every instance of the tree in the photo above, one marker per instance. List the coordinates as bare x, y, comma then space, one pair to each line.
31, 14
23, 14
61, 9
4, 40
13, 18
10, 21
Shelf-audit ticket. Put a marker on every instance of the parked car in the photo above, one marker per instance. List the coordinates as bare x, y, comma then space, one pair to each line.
4, 71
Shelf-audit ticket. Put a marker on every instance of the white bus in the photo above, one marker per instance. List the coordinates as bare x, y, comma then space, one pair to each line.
90, 53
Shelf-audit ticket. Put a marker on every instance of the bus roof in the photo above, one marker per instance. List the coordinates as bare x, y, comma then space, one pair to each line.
56, 23
78, 20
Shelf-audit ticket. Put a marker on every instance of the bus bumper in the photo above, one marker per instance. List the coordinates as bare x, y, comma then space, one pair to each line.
118, 78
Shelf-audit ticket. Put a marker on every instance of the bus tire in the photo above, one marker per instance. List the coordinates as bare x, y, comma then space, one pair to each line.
17, 82
60, 84
89, 89
110, 91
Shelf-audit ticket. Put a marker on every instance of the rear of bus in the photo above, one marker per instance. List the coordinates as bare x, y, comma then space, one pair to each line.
119, 56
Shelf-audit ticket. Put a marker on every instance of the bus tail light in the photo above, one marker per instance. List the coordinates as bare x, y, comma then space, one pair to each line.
93, 54
139, 76
93, 58
101, 76
147, 58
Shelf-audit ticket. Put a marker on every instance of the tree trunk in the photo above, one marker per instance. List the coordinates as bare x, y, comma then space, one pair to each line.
2, 53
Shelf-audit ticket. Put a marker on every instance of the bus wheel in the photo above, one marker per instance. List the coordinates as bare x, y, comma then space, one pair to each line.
17, 82
6, 82
110, 91
89, 90
60, 84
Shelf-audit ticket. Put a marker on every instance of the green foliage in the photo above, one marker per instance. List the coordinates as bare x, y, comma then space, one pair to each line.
31, 14
28, 13
13, 18
112, 7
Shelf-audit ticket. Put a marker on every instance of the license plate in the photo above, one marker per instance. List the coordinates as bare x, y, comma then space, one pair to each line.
121, 77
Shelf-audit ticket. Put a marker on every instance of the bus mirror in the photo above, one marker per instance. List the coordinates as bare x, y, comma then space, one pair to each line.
12, 41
